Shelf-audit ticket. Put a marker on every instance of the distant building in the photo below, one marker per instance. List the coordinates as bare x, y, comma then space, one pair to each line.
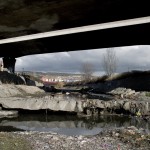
54, 80
51, 80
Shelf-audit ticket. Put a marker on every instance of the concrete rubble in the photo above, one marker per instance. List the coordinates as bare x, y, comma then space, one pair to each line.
10, 90
124, 101
61, 102
124, 93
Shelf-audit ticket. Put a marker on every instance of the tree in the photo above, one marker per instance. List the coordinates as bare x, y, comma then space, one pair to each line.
87, 71
110, 61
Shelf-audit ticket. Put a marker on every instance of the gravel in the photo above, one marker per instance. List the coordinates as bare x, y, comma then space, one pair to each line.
120, 139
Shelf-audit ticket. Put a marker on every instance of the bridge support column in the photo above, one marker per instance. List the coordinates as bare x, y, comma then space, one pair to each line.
9, 63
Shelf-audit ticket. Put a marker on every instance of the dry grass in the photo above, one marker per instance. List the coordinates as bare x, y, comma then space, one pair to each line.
121, 76
106, 78
9, 142
31, 77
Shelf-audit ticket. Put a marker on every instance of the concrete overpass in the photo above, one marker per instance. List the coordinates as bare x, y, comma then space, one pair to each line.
43, 26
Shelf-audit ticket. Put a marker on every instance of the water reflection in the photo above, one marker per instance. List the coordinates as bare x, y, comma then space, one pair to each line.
70, 125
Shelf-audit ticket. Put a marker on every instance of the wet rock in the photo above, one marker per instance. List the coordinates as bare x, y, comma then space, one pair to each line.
108, 104
8, 113
101, 104
117, 105
95, 112
126, 106
79, 106
88, 111
124, 93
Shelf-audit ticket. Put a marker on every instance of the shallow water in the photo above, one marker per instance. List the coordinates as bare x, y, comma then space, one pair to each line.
69, 124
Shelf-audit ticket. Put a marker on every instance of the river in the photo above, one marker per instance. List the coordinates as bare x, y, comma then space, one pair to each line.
69, 124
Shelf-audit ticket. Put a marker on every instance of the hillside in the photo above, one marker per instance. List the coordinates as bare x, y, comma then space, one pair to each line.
136, 80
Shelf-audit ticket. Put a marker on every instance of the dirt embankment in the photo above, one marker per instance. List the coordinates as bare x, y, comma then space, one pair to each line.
135, 80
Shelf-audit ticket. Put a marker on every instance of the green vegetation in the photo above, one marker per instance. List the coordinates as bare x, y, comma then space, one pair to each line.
137, 140
9, 142
147, 94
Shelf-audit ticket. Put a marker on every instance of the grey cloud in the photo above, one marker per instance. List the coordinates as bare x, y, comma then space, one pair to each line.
136, 57
133, 57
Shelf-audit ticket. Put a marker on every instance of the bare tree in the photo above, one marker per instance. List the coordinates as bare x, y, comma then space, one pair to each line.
110, 61
87, 71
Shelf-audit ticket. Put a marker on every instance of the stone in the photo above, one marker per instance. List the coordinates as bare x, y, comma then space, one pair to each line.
126, 106
88, 112
8, 113
95, 111
79, 106
117, 134
108, 105
100, 104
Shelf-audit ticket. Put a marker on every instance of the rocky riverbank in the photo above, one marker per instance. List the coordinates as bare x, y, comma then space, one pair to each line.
118, 101
129, 138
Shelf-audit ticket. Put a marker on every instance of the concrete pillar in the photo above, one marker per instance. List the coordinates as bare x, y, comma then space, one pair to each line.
9, 63
1, 66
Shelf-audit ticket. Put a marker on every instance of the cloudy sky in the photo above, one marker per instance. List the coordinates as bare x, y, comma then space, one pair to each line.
129, 58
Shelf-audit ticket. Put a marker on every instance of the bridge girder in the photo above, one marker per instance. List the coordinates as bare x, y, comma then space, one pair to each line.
25, 17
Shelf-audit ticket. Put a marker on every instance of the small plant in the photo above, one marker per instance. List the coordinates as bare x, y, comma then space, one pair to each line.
147, 94
60, 85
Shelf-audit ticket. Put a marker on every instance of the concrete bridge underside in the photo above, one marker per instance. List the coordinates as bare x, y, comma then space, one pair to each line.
122, 36
26, 17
